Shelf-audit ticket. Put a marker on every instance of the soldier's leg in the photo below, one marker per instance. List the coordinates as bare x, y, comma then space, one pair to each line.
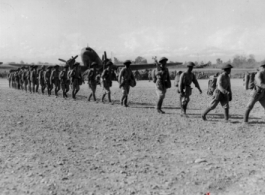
160, 97
210, 107
94, 92
29, 84
104, 94
37, 88
225, 104
124, 94
252, 101
67, 87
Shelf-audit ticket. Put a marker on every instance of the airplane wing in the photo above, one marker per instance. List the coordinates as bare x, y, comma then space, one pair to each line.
149, 66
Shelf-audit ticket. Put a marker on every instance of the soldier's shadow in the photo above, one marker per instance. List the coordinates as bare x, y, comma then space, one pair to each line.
221, 116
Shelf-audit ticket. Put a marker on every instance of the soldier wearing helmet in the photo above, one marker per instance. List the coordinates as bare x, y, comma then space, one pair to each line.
47, 76
64, 81
91, 80
76, 79
55, 79
258, 92
185, 80
126, 77
222, 94
162, 80
41, 79
106, 77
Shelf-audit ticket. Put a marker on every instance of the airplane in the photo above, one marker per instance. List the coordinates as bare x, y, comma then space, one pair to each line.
201, 65
88, 55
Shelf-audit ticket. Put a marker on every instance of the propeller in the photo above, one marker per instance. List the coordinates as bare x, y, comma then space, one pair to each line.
61, 60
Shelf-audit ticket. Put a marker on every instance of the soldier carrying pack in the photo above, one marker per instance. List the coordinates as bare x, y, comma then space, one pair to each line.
212, 84
249, 80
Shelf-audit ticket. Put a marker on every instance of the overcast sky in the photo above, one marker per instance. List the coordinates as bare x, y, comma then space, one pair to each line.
182, 30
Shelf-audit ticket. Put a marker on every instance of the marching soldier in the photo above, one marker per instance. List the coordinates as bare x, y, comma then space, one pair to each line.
125, 78
9, 77
222, 93
25, 79
92, 80
76, 79
107, 81
37, 78
33, 78
186, 78
17, 78
48, 83
64, 81
20, 75
41, 79
258, 92
55, 79
162, 80
28, 78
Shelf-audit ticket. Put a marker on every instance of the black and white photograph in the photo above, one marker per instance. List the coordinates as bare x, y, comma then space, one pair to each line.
132, 97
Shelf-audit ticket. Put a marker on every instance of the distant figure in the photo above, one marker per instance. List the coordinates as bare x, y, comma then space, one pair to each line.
185, 89
76, 79
54, 80
162, 80
48, 83
137, 75
222, 94
107, 81
149, 75
91, 80
64, 81
42, 79
258, 92
126, 79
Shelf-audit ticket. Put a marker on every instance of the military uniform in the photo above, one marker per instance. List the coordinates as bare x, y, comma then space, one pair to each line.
41, 79
25, 79
222, 94
92, 80
125, 77
33, 78
257, 93
162, 80
64, 81
55, 79
76, 79
185, 80
106, 77
20, 74
48, 83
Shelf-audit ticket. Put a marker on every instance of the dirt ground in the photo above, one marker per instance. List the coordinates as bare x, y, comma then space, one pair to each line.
54, 146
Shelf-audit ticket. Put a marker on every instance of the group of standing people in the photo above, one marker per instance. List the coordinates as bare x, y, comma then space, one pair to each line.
30, 79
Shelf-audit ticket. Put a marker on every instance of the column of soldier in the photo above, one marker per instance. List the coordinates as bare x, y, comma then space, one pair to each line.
31, 79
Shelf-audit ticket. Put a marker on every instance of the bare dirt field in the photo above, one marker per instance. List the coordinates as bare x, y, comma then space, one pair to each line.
54, 146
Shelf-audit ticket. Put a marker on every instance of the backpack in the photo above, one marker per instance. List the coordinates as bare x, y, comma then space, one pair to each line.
211, 85
249, 80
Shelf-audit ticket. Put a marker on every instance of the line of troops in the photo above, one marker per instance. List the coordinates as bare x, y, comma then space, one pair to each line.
31, 79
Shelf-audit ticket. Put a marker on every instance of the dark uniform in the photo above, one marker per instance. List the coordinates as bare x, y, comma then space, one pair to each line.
185, 80
106, 77
258, 92
222, 94
76, 79
33, 78
162, 80
25, 79
55, 79
64, 81
47, 79
92, 80
125, 78
41, 79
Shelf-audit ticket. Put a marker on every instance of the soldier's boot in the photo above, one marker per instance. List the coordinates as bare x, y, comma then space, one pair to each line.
56, 93
109, 98
103, 98
246, 116
126, 101
160, 106
205, 113
73, 94
89, 97
76, 91
94, 97
122, 100
226, 114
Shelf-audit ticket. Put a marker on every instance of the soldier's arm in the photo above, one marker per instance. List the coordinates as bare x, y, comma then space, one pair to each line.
258, 80
196, 83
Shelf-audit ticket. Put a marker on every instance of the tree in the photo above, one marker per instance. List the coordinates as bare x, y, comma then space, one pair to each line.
140, 60
21, 62
219, 61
